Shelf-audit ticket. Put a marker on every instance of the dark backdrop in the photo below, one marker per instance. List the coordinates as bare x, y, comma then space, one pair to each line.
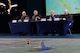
29, 6
36, 4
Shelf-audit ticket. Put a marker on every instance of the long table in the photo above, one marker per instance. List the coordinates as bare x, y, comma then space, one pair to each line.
19, 27
36, 27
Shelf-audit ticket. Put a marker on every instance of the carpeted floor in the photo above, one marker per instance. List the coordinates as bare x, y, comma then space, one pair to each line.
59, 45
6, 35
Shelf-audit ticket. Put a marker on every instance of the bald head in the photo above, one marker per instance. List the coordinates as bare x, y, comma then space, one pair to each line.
66, 11
52, 12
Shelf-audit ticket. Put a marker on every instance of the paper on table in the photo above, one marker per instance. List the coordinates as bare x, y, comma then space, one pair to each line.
56, 19
43, 19
26, 21
64, 18
14, 21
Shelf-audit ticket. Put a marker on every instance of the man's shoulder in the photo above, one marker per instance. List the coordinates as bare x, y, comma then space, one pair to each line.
56, 15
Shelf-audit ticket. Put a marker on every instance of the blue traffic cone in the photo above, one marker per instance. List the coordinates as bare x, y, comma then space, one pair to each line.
43, 47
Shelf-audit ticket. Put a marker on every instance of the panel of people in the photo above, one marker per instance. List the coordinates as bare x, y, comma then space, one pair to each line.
52, 17
36, 16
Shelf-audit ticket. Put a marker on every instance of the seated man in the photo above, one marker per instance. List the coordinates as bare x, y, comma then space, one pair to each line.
36, 16
68, 22
52, 18
23, 17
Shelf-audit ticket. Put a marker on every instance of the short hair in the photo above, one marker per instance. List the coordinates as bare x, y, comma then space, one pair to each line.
52, 10
23, 12
36, 10
66, 10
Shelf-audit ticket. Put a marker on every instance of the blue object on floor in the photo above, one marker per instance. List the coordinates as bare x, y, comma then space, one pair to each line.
43, 47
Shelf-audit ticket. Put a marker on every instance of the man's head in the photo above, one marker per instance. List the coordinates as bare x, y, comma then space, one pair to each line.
35, 12
24, 13
52, 12
66, 12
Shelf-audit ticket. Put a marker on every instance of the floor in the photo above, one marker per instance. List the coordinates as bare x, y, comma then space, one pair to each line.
16, 44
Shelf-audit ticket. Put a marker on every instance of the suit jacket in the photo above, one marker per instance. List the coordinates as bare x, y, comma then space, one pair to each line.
68, 17
52, 17
35, 17
24, 17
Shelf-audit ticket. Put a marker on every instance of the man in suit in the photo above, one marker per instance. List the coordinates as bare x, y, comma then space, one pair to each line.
68, 22
24, 16
36, 16
52, 17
